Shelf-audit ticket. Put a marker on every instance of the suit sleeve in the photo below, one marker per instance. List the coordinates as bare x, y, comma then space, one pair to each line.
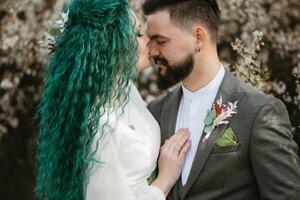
274, 153
109, 182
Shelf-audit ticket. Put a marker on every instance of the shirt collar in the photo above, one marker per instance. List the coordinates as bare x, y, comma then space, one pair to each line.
212, 86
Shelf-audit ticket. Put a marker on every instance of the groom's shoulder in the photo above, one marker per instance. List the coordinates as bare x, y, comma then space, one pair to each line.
251, 93
256, 99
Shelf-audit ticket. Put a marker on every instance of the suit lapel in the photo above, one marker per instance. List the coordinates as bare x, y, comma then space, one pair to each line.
228, 91
169, 113
168, 124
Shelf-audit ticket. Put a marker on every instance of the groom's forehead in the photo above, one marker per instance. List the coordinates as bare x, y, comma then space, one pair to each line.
158, 21
159, 25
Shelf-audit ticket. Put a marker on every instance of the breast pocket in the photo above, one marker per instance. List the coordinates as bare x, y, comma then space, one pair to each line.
225, 149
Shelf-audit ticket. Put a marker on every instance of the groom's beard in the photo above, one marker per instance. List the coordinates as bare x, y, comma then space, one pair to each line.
174, 73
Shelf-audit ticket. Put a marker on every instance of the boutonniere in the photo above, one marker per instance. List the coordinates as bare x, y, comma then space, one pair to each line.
218, 115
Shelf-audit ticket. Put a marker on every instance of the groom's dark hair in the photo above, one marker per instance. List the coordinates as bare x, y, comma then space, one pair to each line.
188, 12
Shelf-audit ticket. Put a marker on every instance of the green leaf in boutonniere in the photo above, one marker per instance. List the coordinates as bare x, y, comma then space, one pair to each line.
210, 117
228, 138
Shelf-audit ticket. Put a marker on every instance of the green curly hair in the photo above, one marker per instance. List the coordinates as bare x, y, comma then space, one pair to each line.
91, 69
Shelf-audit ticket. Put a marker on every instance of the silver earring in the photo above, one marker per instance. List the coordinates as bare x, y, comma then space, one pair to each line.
198, 49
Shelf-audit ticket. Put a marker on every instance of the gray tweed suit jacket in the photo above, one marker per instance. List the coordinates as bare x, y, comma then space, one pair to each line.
264, 164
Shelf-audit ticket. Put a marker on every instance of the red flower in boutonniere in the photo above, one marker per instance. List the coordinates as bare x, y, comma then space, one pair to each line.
218, 115
219, 108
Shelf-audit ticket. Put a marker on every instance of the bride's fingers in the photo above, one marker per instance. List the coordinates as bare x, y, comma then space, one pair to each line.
180, 143
181, 138
180, 134
169, 143
177, 135
174, 144
184, 150
164, 145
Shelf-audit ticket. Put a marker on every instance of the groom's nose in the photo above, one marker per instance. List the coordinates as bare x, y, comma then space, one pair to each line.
153, 51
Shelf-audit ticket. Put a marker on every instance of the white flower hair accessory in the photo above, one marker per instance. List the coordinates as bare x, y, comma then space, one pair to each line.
54, 30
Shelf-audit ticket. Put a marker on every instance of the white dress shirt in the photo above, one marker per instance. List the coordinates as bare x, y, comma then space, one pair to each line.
129, 155
192, 112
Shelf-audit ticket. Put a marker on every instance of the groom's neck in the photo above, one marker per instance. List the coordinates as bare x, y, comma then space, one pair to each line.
207, 65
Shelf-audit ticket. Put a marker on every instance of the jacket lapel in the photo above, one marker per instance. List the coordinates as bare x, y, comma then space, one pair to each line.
169, 113
229, 92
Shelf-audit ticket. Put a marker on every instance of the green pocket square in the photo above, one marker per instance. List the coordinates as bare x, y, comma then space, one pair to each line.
228, 138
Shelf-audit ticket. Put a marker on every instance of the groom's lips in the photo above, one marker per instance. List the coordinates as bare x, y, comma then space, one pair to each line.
158, 64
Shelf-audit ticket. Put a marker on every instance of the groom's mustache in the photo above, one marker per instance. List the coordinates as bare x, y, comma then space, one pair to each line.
160, 61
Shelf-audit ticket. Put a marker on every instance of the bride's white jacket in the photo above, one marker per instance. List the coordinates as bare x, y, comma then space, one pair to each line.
129, 154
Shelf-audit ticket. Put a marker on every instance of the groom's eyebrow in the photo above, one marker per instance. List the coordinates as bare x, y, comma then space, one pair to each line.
158, 36
155, 36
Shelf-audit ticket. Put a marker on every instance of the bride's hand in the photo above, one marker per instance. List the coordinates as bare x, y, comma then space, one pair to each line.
171, 160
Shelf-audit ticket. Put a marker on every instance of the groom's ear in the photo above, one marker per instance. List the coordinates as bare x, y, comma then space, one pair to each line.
201, 34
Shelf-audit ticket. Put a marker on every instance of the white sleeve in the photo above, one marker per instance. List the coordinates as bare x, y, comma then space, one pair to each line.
108, 182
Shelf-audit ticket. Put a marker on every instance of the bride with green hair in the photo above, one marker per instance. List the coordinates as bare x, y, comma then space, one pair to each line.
97, 140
